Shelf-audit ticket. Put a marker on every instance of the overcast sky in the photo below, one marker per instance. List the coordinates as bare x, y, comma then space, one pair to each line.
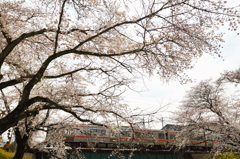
158, 94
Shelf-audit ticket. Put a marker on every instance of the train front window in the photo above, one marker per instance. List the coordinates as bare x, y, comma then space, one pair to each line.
67, 132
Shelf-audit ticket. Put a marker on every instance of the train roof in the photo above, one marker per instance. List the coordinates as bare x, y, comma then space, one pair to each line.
126, 128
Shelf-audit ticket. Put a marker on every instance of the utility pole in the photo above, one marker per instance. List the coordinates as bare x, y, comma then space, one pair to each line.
162, 122
143, 123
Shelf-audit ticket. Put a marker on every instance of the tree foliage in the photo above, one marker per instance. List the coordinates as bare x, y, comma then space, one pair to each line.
79, 56
211, 108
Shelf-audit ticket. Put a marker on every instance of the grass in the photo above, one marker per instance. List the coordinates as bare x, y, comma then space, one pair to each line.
9, 155
228, 155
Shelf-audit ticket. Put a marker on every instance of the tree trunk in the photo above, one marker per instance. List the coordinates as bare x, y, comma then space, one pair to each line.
21, 144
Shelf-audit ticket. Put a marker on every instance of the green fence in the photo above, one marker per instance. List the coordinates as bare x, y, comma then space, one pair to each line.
125, 155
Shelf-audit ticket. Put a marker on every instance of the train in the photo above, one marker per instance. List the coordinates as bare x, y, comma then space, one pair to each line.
86, 136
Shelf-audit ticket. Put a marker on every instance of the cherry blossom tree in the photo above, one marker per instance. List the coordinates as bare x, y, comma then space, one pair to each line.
79, 56
211, 109
26, 132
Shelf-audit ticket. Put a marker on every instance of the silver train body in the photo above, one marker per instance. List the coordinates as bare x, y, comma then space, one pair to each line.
101, 137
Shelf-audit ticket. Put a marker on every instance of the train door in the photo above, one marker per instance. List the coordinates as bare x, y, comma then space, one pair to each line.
114, 139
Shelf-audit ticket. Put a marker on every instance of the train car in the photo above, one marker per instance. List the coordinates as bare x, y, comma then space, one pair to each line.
101, 137
196, 142
142, 137
88, 136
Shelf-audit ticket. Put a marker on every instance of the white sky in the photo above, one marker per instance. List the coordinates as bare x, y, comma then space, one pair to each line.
158, 94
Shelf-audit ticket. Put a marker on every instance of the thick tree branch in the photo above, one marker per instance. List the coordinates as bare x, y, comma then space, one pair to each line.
8, 49
58, 30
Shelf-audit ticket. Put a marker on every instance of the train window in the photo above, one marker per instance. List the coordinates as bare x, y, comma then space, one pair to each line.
137, 134
93, 132
144, 134
114, 134
172, 136
150, 134
77, 132
85, 133
198, 137
161, 136
103, 132
209, 137
215, 138
126, 134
